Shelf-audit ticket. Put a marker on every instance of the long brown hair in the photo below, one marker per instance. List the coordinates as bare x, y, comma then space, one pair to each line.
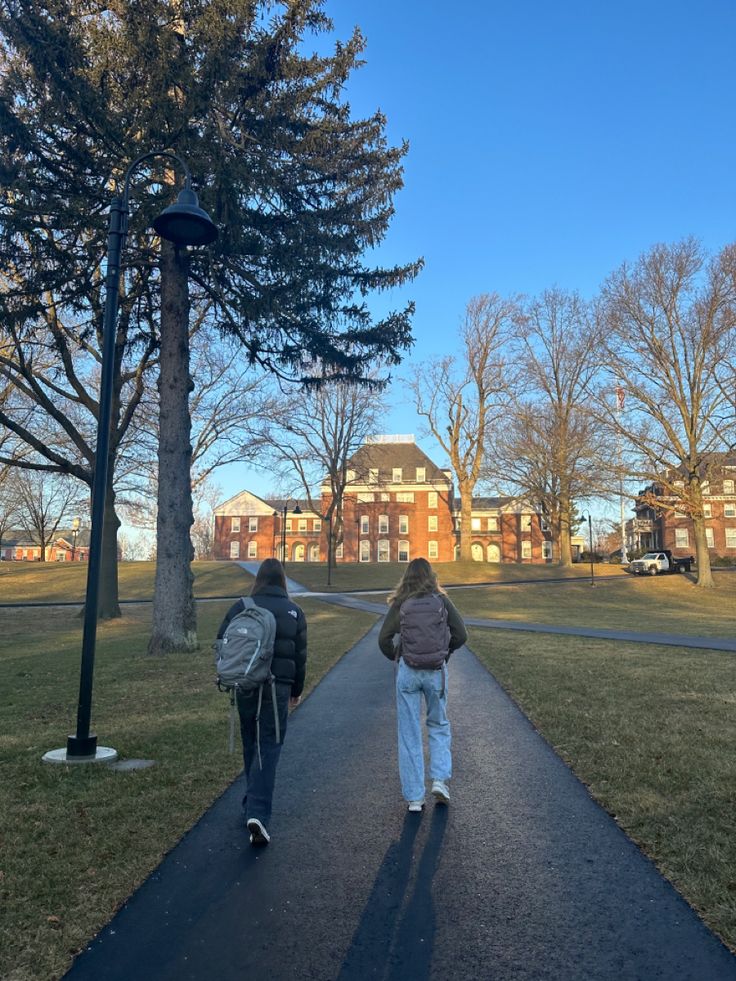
270, 573
418, 580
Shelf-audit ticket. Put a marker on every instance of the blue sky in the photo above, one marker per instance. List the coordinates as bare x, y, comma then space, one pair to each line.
549, 142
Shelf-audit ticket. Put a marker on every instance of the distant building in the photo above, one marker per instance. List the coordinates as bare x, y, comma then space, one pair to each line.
19, 546
655, 527
398, 505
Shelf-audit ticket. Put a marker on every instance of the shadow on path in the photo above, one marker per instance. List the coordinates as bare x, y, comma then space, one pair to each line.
394, 938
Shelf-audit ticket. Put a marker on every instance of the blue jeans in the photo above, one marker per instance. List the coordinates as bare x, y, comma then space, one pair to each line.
411, 686
261, 780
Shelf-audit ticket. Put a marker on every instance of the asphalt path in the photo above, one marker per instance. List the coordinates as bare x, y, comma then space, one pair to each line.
524, 876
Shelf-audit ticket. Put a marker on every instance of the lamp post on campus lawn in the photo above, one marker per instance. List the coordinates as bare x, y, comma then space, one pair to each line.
284, 510
590, 540
183, 223
75, 533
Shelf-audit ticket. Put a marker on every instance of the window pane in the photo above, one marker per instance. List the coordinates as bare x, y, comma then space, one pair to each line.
432, 550
432, 499
403, 551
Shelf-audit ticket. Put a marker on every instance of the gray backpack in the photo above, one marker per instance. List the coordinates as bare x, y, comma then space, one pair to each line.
425, 634
243, 657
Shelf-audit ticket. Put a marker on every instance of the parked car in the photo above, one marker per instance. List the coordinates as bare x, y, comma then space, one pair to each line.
652, 563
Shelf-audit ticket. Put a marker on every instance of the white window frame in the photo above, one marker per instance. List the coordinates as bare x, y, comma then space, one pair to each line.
288, 524
709, 538
682, 538
339, 551
373, 475
383, 524
526, 549
526, 522
302, 524
492, 524
729, 509
405, 497
235, 550
546, 550
252, 524
365, 524
707, 510
234, 525
364, 553
433, 549
421, 475
432, 522
403, 524
403, 552
432, 499
705, 487
728, 486
475, 524
396, 475
252, 550
730, 537
383, 553
317, 524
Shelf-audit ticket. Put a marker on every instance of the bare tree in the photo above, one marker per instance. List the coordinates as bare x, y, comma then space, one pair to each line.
670, 323
461, 397
44, 502
551, 449
206, 497
311, 439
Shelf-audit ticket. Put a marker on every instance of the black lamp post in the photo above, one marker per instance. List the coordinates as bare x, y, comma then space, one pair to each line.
590, 540
296, 510
183, 223
75, 532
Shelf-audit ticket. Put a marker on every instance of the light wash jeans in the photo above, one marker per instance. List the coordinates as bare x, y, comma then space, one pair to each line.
411, 686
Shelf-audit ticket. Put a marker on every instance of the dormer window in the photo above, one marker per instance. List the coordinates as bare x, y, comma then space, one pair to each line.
421, 474
396, 475
373, 475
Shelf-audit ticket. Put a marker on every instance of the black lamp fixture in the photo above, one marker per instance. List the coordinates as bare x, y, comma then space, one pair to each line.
183, 224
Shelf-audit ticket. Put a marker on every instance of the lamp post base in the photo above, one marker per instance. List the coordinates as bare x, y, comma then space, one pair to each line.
102, 754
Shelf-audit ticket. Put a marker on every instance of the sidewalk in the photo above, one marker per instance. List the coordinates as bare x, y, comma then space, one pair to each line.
523, 877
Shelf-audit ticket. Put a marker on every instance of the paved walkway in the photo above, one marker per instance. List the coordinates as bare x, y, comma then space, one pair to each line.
523, 878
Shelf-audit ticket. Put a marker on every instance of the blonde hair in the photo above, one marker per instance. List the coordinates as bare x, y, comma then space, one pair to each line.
418, 580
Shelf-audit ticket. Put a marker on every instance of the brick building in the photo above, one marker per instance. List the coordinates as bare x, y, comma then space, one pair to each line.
66, 546
662, 527
398, 505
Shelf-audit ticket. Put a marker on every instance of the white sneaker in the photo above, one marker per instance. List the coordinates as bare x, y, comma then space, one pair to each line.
416, 805
440, 792
258, 833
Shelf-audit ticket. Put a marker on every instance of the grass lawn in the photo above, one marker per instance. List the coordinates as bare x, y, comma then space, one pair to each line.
54, 896
385, 575
651, 730
49, 581
671, 604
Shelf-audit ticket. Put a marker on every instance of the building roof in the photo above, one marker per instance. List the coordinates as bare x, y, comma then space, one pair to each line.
386, 456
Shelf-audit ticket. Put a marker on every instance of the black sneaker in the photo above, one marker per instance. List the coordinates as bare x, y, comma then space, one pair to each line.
258, 833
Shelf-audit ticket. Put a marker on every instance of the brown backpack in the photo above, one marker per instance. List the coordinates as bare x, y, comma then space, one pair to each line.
425, 634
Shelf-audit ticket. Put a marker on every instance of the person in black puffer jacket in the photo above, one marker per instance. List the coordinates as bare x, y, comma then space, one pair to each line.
289, 668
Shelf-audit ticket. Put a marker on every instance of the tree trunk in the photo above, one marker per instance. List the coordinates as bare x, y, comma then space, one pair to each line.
109, 606
174, 611
565, 547
466, 524
702, 556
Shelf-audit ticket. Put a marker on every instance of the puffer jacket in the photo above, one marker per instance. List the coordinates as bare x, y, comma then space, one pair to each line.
290, 648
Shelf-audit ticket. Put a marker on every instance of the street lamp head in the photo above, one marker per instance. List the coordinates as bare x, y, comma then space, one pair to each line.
185, 223
297, 510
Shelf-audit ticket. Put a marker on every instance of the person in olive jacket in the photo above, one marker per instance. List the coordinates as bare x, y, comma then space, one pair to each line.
289, 668
414, 686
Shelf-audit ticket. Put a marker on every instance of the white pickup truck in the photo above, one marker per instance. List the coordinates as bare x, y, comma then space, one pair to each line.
662, 560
